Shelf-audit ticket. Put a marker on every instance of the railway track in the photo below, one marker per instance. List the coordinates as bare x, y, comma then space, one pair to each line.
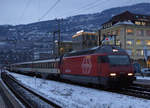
136, 90
29, 98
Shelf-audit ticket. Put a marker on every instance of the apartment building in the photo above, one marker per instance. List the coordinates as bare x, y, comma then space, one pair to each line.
130, 31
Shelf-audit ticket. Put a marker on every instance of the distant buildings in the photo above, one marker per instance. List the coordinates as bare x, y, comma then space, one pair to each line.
42, 54
129, 31
65, 46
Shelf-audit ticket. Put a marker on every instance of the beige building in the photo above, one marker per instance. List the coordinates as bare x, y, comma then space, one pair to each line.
130, 31
83, 40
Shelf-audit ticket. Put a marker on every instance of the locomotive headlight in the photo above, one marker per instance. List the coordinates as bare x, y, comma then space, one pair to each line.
130, 74
115, 50
112, 74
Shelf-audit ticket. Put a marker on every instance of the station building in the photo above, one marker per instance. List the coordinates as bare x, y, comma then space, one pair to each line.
130, 31
84, 40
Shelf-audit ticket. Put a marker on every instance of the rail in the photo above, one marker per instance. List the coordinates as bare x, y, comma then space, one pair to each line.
136, 90
28, 97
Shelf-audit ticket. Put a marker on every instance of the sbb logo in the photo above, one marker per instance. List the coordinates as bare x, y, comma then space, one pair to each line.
86, 65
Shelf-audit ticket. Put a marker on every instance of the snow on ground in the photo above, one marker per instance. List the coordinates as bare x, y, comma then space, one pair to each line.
144, 71
143, 78
73, 96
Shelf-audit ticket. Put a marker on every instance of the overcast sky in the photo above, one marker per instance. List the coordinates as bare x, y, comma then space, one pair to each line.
27, 11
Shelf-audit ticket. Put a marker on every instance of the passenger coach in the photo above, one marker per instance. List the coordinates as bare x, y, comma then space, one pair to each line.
104, 65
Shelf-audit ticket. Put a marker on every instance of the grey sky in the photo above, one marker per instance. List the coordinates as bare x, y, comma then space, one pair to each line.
14, 11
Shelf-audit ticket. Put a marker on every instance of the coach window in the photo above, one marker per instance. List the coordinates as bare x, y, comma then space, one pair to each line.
39, 65
47, 65
54, 65
51, 65
44, 65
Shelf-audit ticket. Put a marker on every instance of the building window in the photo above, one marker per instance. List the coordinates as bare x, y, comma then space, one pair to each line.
129, 31
143, 23
137, 23
138, 42
140, 23
87, 37
93, 37
147, 42
139, 52
118, 32
137, 16
140, 32
129, 42
118, 42
147, 32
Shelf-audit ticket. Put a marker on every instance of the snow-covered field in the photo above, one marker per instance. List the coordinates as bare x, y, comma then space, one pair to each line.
73, 96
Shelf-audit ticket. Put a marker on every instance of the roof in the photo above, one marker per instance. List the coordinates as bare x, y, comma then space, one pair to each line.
38, 61
128, 16
83, 33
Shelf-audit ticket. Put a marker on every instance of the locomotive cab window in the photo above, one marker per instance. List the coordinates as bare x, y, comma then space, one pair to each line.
103, 59
119, 60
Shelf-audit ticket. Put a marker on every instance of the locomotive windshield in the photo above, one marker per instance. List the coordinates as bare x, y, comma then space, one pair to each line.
119, 60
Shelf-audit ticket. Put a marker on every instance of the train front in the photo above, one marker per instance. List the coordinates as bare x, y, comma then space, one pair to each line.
116, 69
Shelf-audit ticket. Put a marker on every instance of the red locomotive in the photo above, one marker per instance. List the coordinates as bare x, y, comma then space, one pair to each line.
104, 65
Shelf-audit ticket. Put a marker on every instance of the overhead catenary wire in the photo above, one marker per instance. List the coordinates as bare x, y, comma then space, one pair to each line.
91, 6
96, 5
24, 10
86, 7
50, 9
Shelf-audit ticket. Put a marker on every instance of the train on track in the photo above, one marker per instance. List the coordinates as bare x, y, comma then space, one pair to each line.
104, 65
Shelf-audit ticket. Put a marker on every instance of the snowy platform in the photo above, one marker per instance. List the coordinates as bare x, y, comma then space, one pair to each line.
73, 96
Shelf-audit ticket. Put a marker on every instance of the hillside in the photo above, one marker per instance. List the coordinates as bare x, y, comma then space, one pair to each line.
39, 35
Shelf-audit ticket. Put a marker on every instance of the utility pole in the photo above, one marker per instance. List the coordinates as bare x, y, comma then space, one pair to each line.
99, 37
59, 37
54, 44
